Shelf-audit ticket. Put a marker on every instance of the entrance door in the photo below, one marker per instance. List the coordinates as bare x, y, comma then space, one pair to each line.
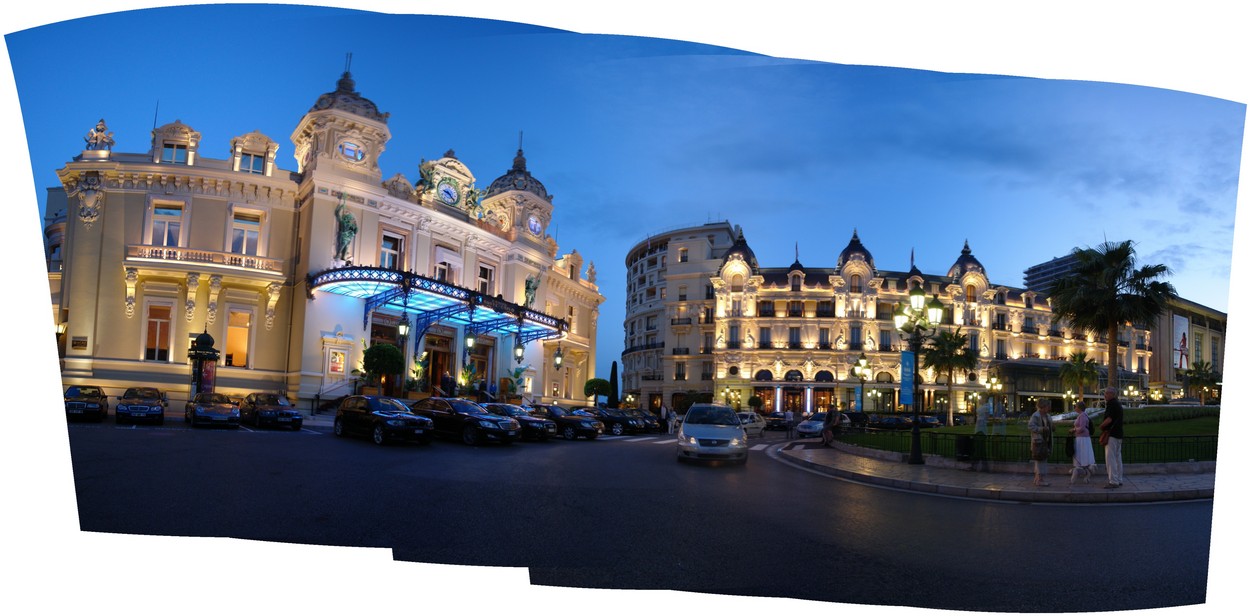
792, 400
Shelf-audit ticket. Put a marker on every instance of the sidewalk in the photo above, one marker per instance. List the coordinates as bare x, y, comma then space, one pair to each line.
1003, 481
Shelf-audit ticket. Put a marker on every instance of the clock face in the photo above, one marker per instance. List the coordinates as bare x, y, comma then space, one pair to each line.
534, 226
448, 193
352, 151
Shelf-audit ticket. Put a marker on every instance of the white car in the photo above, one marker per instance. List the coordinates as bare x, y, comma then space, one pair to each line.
752, 423
815, 424
711, 432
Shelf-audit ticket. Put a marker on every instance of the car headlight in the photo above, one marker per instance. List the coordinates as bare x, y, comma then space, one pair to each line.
692, 440
735, 441
395, 422
93, 405
122, 407
588, 424
487, 424
199, 409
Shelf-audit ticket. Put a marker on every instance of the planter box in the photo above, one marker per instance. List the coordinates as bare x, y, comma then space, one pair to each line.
416, 395
370, 391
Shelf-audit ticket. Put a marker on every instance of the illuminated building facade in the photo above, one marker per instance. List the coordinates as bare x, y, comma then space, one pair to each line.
294, 273
792, 335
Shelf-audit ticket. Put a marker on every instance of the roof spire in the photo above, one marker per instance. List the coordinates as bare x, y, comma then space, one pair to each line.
913, 257
347, 66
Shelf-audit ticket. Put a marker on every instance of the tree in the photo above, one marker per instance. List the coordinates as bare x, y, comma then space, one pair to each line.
382, 359
755, 402
596, 387
614, 388
1078, 372
1105, 290
946, 352
1201, 377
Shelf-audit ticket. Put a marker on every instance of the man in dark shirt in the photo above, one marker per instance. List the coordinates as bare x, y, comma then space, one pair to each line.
1113, 426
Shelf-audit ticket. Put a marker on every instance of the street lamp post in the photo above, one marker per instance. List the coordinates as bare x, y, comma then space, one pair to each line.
914, 319
861, 370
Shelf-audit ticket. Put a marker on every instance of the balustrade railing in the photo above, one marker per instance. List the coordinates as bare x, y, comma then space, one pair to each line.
190, 255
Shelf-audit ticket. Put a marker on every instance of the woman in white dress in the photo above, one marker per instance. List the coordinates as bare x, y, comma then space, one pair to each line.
1082, 448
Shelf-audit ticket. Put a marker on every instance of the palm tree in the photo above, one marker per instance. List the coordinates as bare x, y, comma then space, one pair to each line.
947, 352
1200, 376
1078, 372
1105, 290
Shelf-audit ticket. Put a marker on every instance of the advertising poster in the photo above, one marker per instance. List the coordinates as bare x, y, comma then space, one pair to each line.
337, 361
208, 376
1180, 342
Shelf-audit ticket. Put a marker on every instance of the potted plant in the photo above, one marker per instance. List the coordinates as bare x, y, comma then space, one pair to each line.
755, 402
380, 360
513, 387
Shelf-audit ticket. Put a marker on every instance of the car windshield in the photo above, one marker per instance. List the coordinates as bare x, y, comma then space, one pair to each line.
461, 405
273, 399
745, 417
212, 398
712, 416
506, 409
85, 390
391, 405
583, 413
817, 417
537, 412
141, 392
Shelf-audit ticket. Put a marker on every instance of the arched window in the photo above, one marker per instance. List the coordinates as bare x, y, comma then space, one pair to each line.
885, 377
794, 376
764, 375
824, 376
857, 285
735, 283
970, 293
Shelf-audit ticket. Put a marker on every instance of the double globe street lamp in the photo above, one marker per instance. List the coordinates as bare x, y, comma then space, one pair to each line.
914, 319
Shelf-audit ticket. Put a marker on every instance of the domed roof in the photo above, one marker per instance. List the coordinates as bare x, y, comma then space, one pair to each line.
740, 248
345, 98
965, 263
518, 178
854, 247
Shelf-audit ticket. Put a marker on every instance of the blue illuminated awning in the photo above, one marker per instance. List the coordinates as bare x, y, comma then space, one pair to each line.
430, 301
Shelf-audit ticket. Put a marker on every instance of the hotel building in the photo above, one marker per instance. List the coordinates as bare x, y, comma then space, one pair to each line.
700, 303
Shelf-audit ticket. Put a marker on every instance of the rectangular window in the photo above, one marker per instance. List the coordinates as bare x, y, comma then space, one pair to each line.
736, 308
485, 280
663, 292
709, 292
1197, 347
391, 252
794, 336
681, 294
886, 343
252, 163
174, 153
683, 255
572, 319
166, 225
442, 272
681, 371
1000, 349
245, 234
974, 339
1215, 353
159, 322
824, 337
857, 336
238, 333
766, 337
733, 334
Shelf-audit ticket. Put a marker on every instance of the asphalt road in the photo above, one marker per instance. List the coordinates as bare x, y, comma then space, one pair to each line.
623, 513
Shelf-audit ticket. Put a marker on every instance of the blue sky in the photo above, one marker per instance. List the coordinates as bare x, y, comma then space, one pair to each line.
635, 134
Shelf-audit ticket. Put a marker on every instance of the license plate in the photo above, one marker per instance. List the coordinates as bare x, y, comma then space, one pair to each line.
418, 431
76, 410
286, 419
511, 432
219, 419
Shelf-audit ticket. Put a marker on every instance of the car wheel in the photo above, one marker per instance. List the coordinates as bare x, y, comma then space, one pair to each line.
297, 426
570, 433
469, 436
338, 426
379, 435
618, 429
743, 461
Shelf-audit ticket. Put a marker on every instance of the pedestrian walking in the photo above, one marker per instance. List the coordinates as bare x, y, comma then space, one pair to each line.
1082, 447
670, 417
983, 417
1040, 429
831, 428
790, 423
1112, 437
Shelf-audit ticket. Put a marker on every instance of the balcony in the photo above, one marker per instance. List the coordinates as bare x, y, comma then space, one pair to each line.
1027, 329
824, 314
707, 350
174, 254
856, 314
825, 346
681, 351
706, 377
733, 344
679, 377
768, 313
644, 347
682, 321
1001, 326
794, 313
795, 344
886, 348
856, 346
652, 377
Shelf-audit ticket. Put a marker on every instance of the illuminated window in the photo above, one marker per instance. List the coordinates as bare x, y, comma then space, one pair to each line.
857, 285
166, 225
442, 272
683, 255
391, 252
245, 234
485, 280
238, 333
970, 294
351, 151
156, 340
175, 153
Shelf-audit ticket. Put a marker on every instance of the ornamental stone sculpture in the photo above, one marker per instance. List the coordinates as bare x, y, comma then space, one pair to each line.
99, 138
346, 232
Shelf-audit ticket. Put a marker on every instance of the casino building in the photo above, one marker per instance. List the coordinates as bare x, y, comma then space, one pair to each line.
294, 273
698, 302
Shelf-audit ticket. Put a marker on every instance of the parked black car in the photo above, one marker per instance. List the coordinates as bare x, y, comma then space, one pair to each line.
466, 420
889, 422
87, 402
859, 419
384, 419
651, 423
532, 428
775, 421
262, 410
615, 421
571, 425
140, 403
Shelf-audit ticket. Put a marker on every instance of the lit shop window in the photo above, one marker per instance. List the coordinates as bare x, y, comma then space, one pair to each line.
238, 333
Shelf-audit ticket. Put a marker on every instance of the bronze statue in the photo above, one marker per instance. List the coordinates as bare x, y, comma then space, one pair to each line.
347, 230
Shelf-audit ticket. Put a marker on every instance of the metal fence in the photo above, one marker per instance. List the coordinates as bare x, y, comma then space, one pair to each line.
1004, 448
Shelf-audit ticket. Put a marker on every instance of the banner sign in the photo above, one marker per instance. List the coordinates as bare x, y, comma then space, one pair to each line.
907, 384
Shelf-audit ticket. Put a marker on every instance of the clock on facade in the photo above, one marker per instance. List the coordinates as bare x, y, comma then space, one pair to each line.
351, 151
534, 226
448, 193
